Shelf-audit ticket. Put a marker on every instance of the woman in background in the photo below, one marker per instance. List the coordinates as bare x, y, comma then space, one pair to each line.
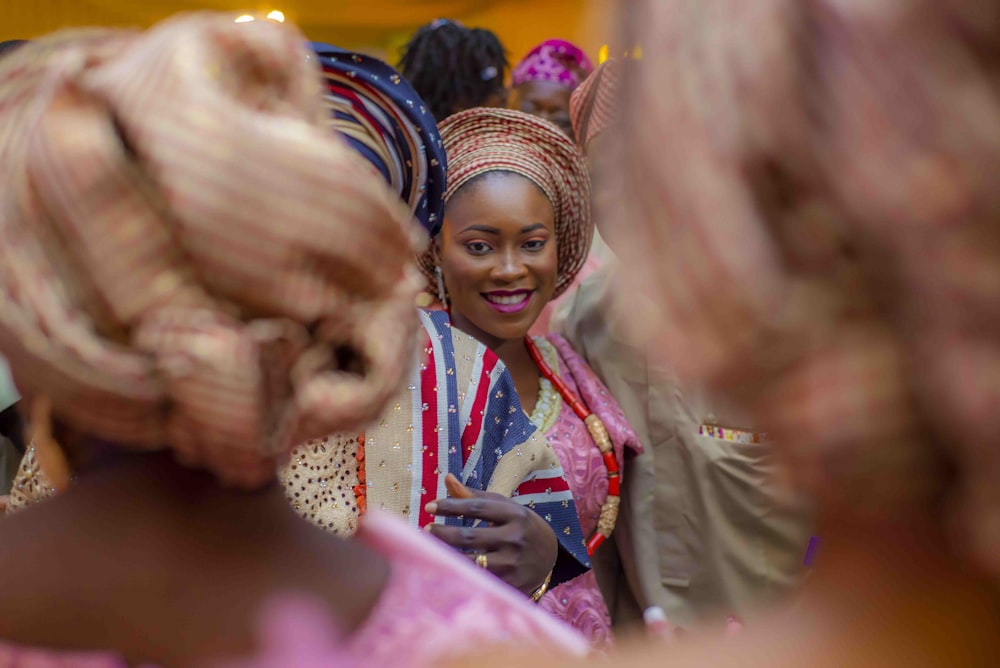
545, 78
140, 172
543, 82
517, 228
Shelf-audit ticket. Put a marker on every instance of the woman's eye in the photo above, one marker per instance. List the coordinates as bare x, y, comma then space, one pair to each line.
534, 244
477, 247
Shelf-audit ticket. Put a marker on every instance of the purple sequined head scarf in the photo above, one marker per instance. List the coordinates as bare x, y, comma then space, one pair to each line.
554, 60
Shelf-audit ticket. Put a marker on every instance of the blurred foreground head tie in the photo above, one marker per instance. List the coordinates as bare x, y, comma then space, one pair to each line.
191, 260
813, 190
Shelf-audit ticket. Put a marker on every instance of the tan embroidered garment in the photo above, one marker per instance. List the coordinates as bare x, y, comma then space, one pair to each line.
707, 525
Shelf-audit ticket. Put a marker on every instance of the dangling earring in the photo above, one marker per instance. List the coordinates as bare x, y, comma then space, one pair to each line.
442, 295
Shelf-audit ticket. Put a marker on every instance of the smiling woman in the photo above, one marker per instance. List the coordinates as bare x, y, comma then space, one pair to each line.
516, 231
499, 253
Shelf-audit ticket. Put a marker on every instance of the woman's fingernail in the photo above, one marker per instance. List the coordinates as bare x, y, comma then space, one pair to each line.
428, 527
431, 507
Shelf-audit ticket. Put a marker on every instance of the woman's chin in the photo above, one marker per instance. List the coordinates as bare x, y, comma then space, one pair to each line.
501, 327
510, 330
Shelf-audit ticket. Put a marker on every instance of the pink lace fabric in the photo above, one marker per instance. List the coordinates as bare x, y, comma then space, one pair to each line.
435, 607
578, 602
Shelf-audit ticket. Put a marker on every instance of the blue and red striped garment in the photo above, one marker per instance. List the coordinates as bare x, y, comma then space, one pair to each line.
458, 413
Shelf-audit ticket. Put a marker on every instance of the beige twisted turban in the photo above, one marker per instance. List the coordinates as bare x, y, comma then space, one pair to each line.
815, 192
190, 260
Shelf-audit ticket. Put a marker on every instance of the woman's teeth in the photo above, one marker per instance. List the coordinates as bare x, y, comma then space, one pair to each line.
511, 299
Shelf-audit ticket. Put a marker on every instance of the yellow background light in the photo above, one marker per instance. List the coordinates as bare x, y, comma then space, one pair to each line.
376, 27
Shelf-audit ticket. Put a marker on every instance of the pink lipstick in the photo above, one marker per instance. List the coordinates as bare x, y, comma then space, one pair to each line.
508, 301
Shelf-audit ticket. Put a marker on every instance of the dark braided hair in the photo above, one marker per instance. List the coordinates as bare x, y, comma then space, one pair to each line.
453, 67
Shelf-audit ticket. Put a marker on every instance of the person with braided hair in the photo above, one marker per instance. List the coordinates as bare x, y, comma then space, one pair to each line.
454, 68
517, 228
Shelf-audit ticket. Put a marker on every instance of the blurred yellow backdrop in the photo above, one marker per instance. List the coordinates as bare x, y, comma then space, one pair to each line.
375, 26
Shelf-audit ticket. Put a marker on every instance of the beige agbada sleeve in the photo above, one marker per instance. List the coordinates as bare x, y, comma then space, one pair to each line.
706, 527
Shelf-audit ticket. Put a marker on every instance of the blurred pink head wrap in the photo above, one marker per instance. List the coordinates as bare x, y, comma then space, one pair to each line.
189, 256
554, 60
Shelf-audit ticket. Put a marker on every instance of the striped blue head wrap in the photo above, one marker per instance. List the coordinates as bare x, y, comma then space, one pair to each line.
384, 119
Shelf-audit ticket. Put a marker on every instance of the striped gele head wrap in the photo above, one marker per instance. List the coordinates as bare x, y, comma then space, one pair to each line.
385, 120
485, 140
594, 105
190, 260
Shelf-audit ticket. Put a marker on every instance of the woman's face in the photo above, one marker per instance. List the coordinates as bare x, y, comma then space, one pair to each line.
545, 99
498, 254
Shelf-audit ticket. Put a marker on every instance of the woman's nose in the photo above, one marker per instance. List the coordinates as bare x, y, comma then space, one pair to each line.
509, 267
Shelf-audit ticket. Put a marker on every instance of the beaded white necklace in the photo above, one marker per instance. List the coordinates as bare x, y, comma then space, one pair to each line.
549, 400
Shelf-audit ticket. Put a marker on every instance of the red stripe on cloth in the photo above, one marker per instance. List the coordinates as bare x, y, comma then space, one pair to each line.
429, 437
471, 431
540, 486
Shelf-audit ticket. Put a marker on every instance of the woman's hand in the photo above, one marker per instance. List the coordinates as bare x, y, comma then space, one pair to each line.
520, 548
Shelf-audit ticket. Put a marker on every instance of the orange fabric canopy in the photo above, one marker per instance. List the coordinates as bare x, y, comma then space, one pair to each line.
377, 26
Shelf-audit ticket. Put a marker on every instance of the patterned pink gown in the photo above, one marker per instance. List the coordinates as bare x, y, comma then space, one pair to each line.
436, 606
579, 601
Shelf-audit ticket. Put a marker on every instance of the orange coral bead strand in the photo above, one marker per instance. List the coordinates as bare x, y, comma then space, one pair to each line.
361, 489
